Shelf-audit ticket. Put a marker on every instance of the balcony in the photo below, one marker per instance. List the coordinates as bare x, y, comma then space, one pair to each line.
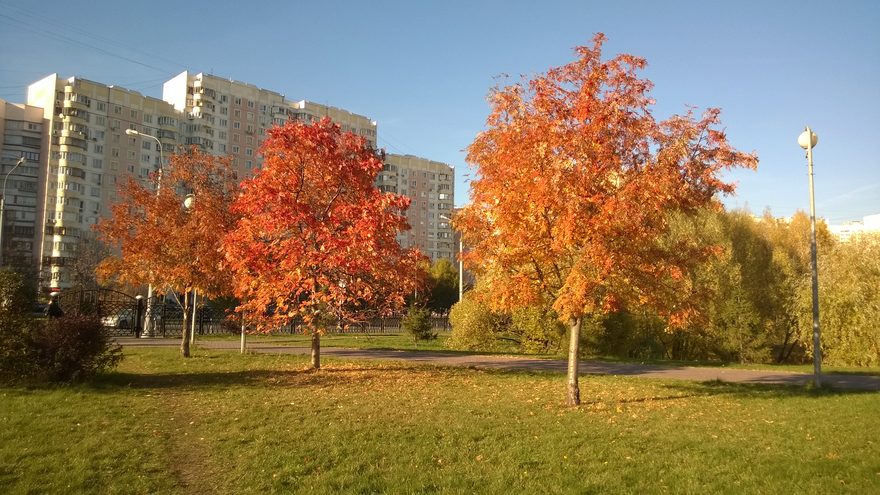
73, 142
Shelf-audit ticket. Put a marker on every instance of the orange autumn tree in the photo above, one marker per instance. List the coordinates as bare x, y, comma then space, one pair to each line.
159, 241
317, 240
576, 183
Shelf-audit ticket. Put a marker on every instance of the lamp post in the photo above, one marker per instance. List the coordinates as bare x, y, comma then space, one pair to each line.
148, 318
808, 140
460, 262
20, 162
188, 203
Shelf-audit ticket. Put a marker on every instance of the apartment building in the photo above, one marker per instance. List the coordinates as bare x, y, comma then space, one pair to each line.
73, 134
89, 152
430, 185
22, 128
228, 117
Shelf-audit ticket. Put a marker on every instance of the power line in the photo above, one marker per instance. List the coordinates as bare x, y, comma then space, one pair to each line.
59, 37
66, 26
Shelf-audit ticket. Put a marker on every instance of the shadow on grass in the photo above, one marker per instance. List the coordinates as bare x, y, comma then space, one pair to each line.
306, 377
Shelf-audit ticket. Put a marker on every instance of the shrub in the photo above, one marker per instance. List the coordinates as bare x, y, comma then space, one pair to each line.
475, 326
417, 323
538, 329
72, 348
15, 327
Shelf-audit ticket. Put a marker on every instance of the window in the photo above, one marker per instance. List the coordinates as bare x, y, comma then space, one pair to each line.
235, 149
250, 104
237, 101
236, 125
98, 148
249, 152
250, 116
223, 123
224, 110
236, 113
102, 106
99, 120
133, 113
145, 145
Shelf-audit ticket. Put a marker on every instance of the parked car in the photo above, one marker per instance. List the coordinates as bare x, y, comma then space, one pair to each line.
124, 318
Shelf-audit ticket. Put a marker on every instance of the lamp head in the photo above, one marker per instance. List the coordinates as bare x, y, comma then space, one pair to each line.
132, 132
189, 201
808, 139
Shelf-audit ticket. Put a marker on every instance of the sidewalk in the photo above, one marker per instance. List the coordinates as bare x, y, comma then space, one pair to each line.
524, 363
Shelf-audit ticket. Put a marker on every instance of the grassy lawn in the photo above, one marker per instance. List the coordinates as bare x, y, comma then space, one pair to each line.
225, 423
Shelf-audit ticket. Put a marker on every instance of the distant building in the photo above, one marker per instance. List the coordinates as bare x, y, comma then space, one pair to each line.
430, 185
22, 128
845, 231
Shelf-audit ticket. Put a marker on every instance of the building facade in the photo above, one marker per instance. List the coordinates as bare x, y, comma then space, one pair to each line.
89, 153
22, 128
430, 185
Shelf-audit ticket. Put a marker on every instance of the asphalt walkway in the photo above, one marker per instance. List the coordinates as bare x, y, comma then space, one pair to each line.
524, 363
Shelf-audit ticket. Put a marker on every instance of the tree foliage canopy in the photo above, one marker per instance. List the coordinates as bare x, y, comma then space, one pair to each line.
316, 237
163, 243
576, 180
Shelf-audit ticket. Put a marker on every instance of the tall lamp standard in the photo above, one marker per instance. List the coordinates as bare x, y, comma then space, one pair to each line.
20, 162
460, 262
148, 318
808, 140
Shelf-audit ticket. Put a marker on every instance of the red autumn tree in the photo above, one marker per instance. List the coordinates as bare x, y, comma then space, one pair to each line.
575, 185
317, 240
159, 241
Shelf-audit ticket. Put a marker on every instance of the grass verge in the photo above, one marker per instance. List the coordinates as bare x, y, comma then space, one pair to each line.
226, 423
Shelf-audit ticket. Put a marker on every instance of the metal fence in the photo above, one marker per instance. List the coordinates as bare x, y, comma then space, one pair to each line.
168, 322
124, 315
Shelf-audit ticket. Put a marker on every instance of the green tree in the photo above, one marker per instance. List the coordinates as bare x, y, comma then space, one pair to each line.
849, 302
443, 286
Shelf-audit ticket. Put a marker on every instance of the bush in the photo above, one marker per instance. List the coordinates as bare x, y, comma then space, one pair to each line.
538, 329
73, 348
15, 327
475, 327
417, 323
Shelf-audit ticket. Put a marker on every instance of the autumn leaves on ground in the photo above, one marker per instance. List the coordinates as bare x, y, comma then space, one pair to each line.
230, 423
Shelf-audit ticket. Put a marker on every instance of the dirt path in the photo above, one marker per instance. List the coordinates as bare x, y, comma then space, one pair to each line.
523, 363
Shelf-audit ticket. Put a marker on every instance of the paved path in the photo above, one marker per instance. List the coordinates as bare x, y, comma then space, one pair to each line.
840, 381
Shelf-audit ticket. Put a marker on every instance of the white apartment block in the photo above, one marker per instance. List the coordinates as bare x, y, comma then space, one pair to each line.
430, 185
73, 134
228, 117
89, 153
845, 231
22, 130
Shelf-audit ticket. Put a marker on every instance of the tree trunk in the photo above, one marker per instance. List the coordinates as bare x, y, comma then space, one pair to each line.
243, 337
316, 350
184, 339
574, 392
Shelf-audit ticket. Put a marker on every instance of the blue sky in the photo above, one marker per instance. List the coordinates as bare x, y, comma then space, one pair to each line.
423, 69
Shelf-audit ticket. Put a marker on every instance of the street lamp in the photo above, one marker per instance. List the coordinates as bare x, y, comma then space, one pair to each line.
460, 262
148, 319
188, 203
20, 162
808, 140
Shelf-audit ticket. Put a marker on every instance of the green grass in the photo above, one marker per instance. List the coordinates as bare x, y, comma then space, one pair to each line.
221, 422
